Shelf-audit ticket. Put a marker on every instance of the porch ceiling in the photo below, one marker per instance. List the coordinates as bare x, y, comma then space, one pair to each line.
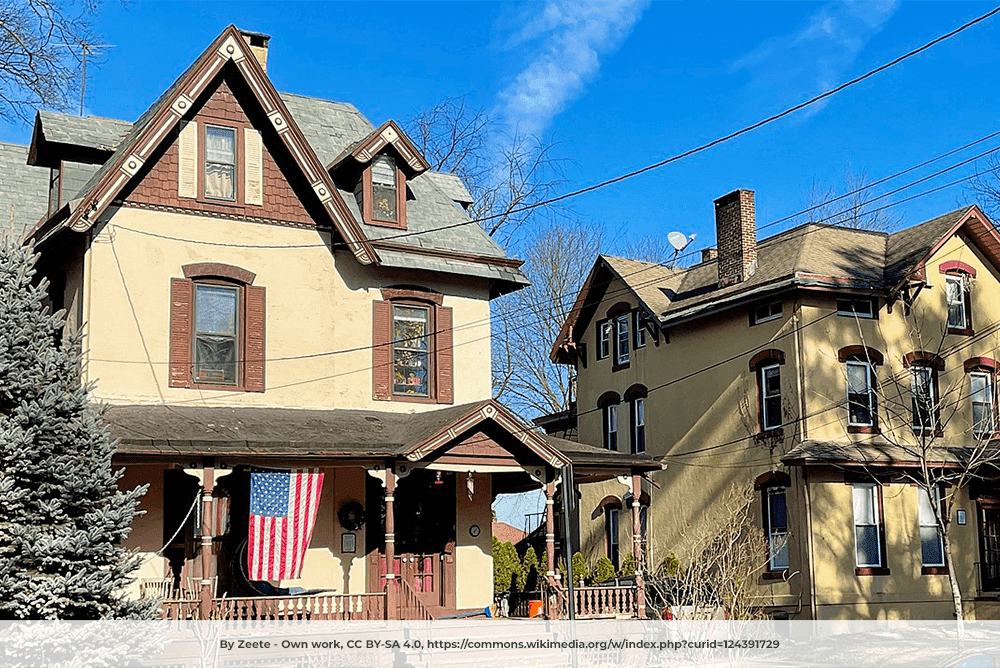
163, 431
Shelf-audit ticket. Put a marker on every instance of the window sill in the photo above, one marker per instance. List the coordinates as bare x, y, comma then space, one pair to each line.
871, 571
858, 429
413, 399
937, 433
934, 570
775, 575
769, 434
966, 331
386, 223
620, 367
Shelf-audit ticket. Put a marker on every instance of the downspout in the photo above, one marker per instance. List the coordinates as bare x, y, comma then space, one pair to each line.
86, 284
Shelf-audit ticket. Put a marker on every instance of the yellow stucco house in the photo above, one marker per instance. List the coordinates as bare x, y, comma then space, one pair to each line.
268, 282
834, 370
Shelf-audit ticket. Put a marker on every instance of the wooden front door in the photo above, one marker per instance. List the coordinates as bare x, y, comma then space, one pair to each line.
989, 546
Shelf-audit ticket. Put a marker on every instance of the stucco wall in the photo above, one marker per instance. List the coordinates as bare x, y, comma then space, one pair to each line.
473, 556
317, 302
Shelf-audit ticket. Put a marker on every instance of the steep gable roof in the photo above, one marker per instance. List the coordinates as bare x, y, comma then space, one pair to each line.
389, 134
809, 255
154, 125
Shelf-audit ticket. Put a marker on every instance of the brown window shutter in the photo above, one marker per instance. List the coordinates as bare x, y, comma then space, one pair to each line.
180, 332
255, 325
382, 350
444, 353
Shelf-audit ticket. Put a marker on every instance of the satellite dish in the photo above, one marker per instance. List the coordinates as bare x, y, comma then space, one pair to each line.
678, 241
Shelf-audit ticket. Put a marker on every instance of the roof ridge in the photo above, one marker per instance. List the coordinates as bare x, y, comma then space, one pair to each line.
85, 118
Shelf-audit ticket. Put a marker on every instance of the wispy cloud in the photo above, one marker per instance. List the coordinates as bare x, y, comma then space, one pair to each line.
567, 40
817, 56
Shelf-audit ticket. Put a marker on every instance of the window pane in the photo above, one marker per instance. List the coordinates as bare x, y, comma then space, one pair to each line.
778, 513
215, 359
857, 378
867, 546
772, 381
864, 507
384, 172
220, 145
215, 309
931, 552
923, 398
956, 301
410, 332
384, 203
926, 510
623, 342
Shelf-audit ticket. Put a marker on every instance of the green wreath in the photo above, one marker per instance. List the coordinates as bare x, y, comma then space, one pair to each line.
351, 515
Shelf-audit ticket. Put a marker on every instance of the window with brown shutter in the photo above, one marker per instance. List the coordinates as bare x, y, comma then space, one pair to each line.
412, 348
217, 327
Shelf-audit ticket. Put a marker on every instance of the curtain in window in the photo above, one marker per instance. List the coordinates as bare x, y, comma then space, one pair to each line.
220, 163
410, 330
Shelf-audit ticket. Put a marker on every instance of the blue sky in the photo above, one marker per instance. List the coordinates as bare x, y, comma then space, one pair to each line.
618, 85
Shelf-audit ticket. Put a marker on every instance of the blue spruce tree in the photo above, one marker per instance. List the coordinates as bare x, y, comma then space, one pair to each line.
62, 516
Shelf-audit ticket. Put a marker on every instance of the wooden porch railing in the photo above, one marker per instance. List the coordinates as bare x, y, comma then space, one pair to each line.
597, 602
320, 607
410, 606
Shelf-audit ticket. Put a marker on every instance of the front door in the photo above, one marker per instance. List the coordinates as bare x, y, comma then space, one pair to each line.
989, 544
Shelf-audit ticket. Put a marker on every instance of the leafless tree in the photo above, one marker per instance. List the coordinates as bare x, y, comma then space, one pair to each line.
713, 568
557, 257
985, 186
852, 206
39, 66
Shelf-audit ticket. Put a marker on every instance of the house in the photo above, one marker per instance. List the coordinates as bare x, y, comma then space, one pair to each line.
267, 283
822, 365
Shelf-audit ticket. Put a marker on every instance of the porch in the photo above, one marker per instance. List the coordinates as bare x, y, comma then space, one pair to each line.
403, 527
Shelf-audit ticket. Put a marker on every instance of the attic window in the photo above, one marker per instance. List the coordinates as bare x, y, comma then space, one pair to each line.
220, 163
861, 308
384, 189
765, 312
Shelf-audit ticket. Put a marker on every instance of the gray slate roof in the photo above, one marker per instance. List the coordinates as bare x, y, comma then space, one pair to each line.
846, 257
104, 134
23, 190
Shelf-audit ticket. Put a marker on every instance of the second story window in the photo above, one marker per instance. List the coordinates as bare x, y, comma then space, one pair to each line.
603, 339
958, 278
640, 329
924, 403
611, 427
769, 387
981, 395
411, 359
638, 425
859, 308
955, 296
860, 394
216, 333
765, 312
621, 340
220, 163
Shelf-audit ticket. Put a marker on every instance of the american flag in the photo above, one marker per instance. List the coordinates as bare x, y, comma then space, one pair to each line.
283, 506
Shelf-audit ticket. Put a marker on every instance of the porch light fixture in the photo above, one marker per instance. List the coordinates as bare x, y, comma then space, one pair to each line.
437, 478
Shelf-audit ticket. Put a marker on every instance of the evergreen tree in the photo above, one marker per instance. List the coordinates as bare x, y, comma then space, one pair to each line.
527, 579
62, 516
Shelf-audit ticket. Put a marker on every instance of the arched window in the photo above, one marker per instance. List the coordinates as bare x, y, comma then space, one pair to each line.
982, 373
608, 403
773, 487
767, 366
862, 400
636, 398
925, 398
958, 277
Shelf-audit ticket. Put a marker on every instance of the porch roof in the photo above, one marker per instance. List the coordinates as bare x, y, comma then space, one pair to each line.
164, 431
847, 453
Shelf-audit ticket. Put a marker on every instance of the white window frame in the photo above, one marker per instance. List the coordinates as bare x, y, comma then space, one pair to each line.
926, 519
640, 331
770, 316
622, 342
855, 313
604, 340
867, 493
777, 540
611, 427
989, 403
235, 165
869, 377
917, 371
765, 416
960, 281
638, 422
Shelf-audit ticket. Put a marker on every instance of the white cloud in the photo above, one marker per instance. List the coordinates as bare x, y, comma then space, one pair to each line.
817, 56
568, 39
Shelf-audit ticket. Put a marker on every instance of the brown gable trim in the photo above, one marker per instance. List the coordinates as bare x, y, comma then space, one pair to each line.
569, 332
489, 410
450, 255
389, 294
228, 46
957, 266
924, 358
388, 134
982, 236
215, 214
771, 355
218, 270
862, 353
980, 363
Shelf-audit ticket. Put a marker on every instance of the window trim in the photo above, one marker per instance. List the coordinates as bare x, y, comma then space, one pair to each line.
430, 351
639, 329
762, 392
766, 358
962, 278
367, 195
238, 335
990, 376
925, 568
237, 130
858, 427
879, 516
604, 328
637, 410
608, 403
622, 358
873, 315
612, 526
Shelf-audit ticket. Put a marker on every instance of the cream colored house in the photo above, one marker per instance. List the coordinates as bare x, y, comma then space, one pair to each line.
266, 281
822, 365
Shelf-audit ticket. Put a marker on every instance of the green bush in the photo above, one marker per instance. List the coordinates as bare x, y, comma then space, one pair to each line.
628, 566
580, 569
603, 571
527, 578
506, 566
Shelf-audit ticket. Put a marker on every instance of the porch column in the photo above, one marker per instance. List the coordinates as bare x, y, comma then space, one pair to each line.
637, 546
550, 531
206, 593
391, 593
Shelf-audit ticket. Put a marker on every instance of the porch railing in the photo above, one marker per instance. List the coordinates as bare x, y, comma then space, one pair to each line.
410, 606
313, 607
593, 602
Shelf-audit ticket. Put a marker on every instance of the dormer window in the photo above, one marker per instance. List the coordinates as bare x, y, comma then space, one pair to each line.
384, 197
384, 189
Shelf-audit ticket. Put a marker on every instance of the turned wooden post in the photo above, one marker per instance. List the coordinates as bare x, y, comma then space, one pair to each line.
206, 594
391, 590
640, 588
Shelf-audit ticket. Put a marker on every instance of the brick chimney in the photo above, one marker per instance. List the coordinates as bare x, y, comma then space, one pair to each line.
709, 254
258, 45
736, 236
